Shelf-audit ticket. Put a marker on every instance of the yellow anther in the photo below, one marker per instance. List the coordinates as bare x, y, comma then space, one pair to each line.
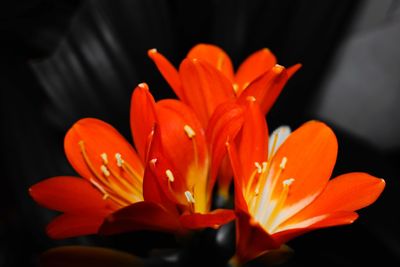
283, 163
170, 175
258, 166
104, 170
189, 131
104, 158
264, 166
119, 159
288, 182
142, 85
189, 197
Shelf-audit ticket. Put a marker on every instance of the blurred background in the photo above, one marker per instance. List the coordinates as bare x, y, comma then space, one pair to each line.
64, 60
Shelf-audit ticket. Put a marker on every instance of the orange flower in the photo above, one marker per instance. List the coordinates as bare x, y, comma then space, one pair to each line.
177, 171
112, 175
170, 196
287, 193
206, 78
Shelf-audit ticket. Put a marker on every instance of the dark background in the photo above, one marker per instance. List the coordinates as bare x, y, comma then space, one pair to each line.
64, 60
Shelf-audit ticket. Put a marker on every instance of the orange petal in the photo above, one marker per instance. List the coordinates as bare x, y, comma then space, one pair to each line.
240, 202
225, 175
72, 225
253, 140
213, 219
163, 184
224, 125
81, 256
253, 66
141, 216
267, 87
322, 221
183, 138
65, 193
252, 240
293, 69
204, 88
168, 71
98, 137
310, 152
215, 56
348, 192
142, 118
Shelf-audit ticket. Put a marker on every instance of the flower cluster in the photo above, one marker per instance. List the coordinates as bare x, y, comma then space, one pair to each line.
184, 148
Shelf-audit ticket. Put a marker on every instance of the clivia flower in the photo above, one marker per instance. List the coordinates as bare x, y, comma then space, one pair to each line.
163, 186
206, 79
287, 192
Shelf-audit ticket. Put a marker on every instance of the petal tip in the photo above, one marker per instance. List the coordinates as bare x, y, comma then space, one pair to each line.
152, 52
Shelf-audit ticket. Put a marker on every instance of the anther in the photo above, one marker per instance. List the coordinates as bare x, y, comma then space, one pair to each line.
288, 182
258, 166
189, 131
142, 85
104, 158
170, 175
189, 197
119, 159
264, 166
104, 170
153, 51
283, 163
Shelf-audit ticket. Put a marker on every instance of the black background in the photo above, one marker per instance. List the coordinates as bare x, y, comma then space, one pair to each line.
65, 60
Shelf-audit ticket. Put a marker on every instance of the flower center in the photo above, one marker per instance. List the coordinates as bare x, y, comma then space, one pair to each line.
259, 193
122, 185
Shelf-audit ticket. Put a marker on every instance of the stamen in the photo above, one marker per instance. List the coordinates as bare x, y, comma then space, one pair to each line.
264, 166
119, 159
189, 131
258, 166
283, 163
272, 223
143, 85
153, 50
113, 186
170, 175
189, 197
104, 158
288, 182
104, 170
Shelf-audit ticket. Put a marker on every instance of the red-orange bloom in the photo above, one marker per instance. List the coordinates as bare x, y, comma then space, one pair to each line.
287, 193
206, 78
170, 196
177, 167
